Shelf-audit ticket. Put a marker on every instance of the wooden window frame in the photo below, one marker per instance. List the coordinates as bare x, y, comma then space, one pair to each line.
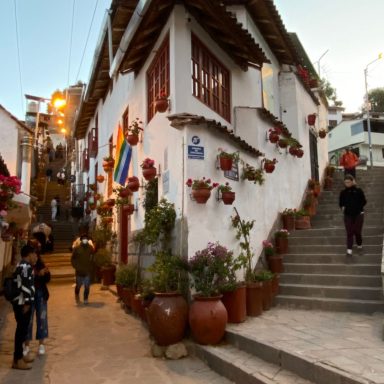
158, 77
207, 70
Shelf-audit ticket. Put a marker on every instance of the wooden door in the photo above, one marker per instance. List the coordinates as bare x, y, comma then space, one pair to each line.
313, 156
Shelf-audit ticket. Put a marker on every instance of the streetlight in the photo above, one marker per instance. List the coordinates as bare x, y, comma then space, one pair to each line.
367, 107
318, 62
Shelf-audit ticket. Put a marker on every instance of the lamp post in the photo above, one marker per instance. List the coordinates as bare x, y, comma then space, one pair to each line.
367, 108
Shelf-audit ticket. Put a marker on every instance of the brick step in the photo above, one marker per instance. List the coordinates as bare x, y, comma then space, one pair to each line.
330, 258
326, 232
338, 280
331, 304
335, 292
333, 268
331, 240
241, 367
325, 248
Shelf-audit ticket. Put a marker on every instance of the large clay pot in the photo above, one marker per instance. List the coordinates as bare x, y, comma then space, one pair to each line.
254, 299
267, 296
225, 163
167, 318
149, 173
133, 139
207, 319
275, 264
288, 222
303, 222
235, 304
202, 195
133, 184
228, 197
127, 294
108, 274
281, 245
124, 192
161, 104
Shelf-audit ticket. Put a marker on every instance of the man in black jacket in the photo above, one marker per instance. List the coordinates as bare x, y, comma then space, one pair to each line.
22, 305
352, 201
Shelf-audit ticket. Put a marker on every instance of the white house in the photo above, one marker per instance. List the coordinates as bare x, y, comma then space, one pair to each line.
229, 72
335, 116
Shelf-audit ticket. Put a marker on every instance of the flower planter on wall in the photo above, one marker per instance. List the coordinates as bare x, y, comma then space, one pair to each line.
225, 163
311, 119
228, 197
133, 184
161, 104
149, 173
202, 195
133, 139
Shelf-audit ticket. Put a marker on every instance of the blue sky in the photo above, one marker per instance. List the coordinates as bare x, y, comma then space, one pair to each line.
44, 36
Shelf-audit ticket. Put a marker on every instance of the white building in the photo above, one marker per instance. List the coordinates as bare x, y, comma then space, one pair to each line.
229, 72
335, 116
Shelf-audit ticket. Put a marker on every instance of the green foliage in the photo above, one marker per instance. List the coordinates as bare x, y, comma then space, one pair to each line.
126, 275
101, 235
263, 275
376, 98
330, 92
103, 257
151, 196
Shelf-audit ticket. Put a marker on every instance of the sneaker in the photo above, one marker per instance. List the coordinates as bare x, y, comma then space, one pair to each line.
85, 301
21, 364
41, 349
29, 357
349, 252
25, 351
359, 247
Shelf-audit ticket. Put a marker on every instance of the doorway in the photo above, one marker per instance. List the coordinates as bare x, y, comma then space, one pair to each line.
313, 156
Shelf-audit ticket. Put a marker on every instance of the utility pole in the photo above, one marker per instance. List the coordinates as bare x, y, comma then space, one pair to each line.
318, 62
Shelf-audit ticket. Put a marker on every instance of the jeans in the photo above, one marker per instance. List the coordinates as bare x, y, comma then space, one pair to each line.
83, 280
354, 226
40, 306
22, 321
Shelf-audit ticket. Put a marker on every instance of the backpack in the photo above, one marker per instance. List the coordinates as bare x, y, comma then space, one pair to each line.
10, 288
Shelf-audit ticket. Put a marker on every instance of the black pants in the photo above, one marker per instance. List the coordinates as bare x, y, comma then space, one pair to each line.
354, 226
22, 323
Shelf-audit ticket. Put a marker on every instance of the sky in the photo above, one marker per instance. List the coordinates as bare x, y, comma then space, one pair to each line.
352, 31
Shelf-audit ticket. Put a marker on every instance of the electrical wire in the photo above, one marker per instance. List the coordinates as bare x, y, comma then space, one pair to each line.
18, 58
70, 42
86, 41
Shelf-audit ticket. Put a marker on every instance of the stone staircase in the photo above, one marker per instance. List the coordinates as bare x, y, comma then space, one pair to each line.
318, 274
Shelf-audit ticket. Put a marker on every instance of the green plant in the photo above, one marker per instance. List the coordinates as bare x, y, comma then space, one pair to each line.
268, 247
201, 183
281, 233
263, 275
103, 258
302, 212
224, 187
108, 158
151, 197
234, 155
101, 235
252, 174
134, 128
289, 212
126, 275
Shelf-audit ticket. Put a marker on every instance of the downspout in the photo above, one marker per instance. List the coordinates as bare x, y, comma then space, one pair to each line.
133, 25
182, 197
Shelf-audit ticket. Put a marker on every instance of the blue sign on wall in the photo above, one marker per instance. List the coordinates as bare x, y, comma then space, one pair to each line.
195, 152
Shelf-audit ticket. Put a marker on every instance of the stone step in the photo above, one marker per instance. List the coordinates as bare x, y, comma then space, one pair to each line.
326, 232
327, 291
332, 240
330, 258
331, 304
333, 269
338, 216
335, 280
245, 368
326, 248
322, 223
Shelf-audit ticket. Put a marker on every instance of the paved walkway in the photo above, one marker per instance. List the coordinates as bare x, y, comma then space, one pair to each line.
96, 344
348, 342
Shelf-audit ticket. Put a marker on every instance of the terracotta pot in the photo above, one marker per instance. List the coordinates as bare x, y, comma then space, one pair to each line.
133, 139
161, 104
149, 173
108, 275
293, 151
303, 222
330, 171
202, 195
100, 178
136, 303
111, 202
322, 134
328, 183
281, 244
129, 209
254, 299
228, 197
127, 294
133, 184
235, 303
282, 143
273, 137
225, 163
207, 319
167, 318
299, 153
119, 289
275, 264
107, 168
275, 284
267, 294
311, 119
124, 192
288, 222
269, 167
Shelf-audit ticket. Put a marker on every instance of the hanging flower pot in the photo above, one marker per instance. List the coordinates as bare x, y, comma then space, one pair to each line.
202, 195
273, 137
100, 178
133, 139
293, 151
322, 133
161, 103
228, 197
282, 143
124, 192
111, 202
133, 183
299, 153
129, 209
225, 163
311, 119
149, 173
269, 165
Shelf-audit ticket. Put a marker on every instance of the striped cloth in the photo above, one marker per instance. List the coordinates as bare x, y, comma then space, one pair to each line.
123, 158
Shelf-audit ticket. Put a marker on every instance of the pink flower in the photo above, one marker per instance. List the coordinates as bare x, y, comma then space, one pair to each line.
3, 213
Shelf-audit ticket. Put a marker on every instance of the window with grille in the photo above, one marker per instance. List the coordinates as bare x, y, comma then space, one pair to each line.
158, 77
210, 79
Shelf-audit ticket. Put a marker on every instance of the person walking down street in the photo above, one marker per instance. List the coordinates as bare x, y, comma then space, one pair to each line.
58, 214
53, 209
41, 232
48, 173
349, 160
61, 177
42, 276
352, 201
22, 306
82, 262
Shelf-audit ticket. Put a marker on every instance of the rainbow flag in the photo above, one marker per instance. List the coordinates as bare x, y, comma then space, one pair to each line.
123, 158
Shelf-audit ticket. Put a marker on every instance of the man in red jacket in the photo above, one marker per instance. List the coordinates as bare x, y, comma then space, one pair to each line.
349, 161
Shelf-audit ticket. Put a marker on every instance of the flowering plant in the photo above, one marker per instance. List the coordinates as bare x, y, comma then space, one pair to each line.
234, 156
282, 233
201, 183
108, 158
147, 163
302, 212
273, 161
162, 95
9, 186
134, 128
122, 189
224, 188
269, 250
252, 174
209, 268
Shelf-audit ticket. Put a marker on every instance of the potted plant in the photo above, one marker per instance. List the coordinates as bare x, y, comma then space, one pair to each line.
314, 186
269, 165
111, 202
281, 241
134, 131
328, 183
122, 191
274, 135
161, 102
227, 195
108, 163
126, 277
322, 133
265, 277
311, 119
275, 262
207, 315
299, 153
310, 203
226, 159
330, 170
201, 189
302, 219
103, 260
288, 216
283, 143
100, 178
149, 170
133, 183
252, 174
93, 187
168, 312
